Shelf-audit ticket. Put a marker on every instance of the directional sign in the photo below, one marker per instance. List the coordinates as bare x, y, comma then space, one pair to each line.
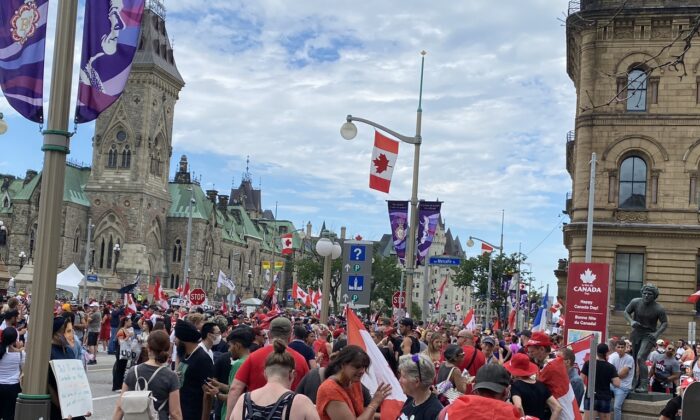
356, 283
444, 261
357, 273
357, 252
91, 277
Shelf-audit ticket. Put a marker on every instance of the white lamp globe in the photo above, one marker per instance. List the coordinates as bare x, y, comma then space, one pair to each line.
348, 131
337, 250
470, 243
324, 247
3, 124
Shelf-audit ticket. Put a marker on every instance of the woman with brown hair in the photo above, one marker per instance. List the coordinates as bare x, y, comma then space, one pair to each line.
161, 381
340, 395
275, 400
434, 350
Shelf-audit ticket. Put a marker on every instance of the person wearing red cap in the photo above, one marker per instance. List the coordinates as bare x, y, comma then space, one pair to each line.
672, 410
553, 373
529, 395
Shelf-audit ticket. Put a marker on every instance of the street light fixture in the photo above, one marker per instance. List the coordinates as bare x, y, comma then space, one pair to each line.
348, 131
22, 258
3, 124
329, 251
470, 243
117, 250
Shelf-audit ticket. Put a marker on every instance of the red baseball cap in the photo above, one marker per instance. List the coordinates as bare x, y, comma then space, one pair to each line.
539, 339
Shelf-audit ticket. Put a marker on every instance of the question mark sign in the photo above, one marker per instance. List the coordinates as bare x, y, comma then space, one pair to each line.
358, 253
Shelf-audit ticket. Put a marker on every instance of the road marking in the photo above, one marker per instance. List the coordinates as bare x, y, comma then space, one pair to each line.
106, 397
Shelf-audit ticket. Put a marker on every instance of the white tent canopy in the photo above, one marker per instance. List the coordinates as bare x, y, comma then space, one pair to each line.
69, 280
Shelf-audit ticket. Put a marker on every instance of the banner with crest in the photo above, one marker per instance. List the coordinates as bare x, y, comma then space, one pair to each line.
398, 217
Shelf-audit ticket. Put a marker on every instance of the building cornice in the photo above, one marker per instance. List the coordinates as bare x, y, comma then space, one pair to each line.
643, 120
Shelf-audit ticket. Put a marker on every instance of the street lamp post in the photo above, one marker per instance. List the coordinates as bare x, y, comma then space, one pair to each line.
470, 243
329, 251
348, 131
189, 236
22, 258
117, 250
87, 258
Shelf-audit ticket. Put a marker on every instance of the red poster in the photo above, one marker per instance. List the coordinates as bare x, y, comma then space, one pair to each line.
587, 297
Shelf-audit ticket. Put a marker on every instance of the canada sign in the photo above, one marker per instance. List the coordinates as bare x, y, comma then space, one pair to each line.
587, 297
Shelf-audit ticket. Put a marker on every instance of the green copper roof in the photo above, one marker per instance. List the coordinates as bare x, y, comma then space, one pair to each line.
25, 193
202, 207
74, 186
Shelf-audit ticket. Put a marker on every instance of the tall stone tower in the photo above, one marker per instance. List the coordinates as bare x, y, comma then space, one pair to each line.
640, 117
131, 158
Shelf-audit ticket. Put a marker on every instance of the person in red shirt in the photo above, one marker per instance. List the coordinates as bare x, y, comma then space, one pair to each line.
488, 402
250, 375
474, 359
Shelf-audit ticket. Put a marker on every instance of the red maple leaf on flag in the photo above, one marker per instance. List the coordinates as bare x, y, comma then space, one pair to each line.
288, 242
381, 163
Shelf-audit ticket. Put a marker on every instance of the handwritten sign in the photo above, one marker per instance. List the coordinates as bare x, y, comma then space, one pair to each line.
74, 393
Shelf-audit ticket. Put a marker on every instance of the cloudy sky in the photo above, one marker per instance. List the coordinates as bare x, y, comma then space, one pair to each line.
274, 80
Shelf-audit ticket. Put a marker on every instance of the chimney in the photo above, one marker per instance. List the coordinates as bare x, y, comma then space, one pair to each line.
342, 233
223, 201
29, 176
211, 194
308, 229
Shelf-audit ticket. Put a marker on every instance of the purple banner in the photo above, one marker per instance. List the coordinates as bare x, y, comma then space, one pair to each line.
110, 38
428, 217
22, 45
398, 217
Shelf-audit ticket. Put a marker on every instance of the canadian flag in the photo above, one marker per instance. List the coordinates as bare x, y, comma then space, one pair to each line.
486, 248
159, 295
287, 248
440, 291
383, 160
316, 300
299, 294
694, 298
129, 303
511, 319
468, 322
186, 290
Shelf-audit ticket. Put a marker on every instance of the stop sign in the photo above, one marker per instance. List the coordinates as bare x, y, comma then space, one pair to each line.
197, 296
398, 300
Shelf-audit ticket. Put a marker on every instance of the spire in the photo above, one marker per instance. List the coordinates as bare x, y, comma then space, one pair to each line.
246, 174
154, 49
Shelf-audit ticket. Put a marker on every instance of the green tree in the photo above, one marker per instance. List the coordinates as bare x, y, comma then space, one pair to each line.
416, 311
386, 279
474, 272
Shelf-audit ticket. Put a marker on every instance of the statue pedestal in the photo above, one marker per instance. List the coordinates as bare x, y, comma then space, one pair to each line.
644, 406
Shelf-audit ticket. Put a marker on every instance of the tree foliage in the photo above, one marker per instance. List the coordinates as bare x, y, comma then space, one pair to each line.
310, 275
386, 279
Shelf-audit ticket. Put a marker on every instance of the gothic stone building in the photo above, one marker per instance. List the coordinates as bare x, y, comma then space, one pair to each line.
130, 202
642, 120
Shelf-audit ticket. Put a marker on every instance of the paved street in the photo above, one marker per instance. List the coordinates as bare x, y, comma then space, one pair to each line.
100, 377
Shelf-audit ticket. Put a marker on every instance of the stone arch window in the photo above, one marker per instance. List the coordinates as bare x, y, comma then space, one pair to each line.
112, 157
177, 251
6, 202
171, 285
76, 240
126, 157
208, 248
32, 240
633, 183
637, 90
156, 161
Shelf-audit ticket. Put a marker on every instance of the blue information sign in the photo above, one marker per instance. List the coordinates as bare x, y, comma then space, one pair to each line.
357, 253
92, 277
356, 283
444, 261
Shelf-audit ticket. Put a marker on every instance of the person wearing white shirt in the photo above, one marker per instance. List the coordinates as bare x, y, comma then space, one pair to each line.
211, 336
11, 362
624, 364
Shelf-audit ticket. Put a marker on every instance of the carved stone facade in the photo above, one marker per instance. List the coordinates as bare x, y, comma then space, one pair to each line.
641, 119
127, 196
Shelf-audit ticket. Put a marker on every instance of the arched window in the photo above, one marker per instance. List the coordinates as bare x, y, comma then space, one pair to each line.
110, 252
172, 282
112, 157
637, 90
633, 183
177, 251
32, 240
6, 202
126, 157
102, 253
76, 240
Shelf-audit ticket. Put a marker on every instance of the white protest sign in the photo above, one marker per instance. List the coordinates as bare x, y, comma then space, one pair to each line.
73, 387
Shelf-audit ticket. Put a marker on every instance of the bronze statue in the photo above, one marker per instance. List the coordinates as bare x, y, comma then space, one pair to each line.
643, 314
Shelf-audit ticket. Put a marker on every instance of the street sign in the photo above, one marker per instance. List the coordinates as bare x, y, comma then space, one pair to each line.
444, 261
91, 277
197, 296
357, 252
398, 300
356, 283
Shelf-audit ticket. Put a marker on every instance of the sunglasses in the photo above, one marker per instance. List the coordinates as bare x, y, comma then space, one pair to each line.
416, 360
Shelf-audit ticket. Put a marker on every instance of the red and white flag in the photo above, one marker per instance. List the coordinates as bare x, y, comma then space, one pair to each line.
582, 350
159, 295
287, 244
486, 248
130, 306
694, 298
511, 319
469, 322
186, 290
299, 294
383, 160
440, 291
378, 371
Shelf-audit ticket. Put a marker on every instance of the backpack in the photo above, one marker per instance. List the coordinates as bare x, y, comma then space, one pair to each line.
139, 404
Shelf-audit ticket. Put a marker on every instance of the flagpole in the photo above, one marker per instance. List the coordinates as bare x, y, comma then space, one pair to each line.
34, 402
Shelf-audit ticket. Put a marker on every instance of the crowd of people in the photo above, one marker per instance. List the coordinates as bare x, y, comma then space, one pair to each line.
287, 365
